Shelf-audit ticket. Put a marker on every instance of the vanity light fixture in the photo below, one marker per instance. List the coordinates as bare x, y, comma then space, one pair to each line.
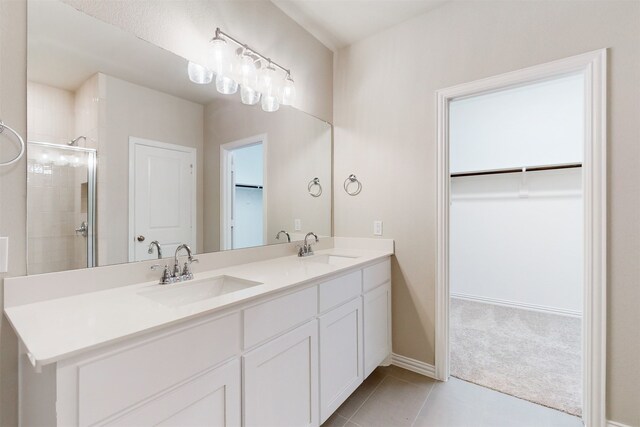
244, 67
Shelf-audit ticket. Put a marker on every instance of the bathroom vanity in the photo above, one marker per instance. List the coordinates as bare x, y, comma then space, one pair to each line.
278, 342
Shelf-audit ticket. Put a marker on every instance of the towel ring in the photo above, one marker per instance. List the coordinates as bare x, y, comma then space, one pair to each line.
350, 180
315, 182
13, 131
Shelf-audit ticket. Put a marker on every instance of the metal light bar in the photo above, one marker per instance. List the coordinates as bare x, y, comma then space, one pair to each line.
219, 32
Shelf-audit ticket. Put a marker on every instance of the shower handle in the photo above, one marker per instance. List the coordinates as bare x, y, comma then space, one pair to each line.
84, 229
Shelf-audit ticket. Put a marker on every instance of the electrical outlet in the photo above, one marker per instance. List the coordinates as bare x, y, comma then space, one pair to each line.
4, 254
297, 225
377, 228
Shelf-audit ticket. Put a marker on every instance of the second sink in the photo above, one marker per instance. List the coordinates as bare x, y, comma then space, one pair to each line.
330, 259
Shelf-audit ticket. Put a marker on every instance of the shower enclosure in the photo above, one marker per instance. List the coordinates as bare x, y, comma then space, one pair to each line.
61, 202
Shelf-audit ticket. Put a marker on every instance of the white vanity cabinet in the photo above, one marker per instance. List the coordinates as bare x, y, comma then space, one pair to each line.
377, 315
289, 358
281, 380
341, 342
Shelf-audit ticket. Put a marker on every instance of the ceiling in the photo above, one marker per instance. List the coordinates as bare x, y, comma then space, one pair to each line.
338, 23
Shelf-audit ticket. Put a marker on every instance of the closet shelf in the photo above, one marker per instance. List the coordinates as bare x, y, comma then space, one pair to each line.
517, 170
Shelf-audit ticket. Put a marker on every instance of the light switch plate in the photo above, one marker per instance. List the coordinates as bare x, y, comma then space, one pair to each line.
297, 225
377, 228
4, 254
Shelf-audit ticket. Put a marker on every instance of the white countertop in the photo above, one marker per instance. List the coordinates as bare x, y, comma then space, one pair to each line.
60, 328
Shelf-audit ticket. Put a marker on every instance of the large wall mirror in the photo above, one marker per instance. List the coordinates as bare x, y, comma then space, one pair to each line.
123, 151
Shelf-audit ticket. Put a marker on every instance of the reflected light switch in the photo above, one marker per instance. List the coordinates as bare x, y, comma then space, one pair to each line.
297, 225
4, 254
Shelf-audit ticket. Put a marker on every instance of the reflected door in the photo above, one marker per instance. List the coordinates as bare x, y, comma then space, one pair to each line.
61, 207
162, 197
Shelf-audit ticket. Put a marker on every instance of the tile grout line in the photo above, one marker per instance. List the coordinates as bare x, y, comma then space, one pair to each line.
365, 401
423, 405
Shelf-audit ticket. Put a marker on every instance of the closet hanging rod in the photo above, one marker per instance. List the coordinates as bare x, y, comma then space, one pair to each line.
517, 170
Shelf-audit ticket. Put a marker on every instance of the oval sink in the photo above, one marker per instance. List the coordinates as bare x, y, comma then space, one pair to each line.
330, 259
178, 294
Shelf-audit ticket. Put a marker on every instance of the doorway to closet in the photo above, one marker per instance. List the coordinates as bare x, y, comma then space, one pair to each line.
243, 193
521, 243
516, 237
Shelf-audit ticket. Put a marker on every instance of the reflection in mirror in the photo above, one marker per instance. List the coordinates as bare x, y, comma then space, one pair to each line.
127, 158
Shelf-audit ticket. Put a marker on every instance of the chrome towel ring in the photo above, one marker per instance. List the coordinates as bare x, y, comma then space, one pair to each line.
352, 180
13, 131
315, 182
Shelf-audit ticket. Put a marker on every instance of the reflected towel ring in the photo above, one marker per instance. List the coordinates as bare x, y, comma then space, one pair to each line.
350, 180
19, 156
315, 182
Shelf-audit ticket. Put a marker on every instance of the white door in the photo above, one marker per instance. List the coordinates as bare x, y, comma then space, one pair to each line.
162, 197
281, 381
377, 327
341, 358
212, 400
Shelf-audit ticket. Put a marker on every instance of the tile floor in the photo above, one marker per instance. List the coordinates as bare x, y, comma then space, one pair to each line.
392, 397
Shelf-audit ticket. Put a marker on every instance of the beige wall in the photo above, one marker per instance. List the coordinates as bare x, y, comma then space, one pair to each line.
13, 186
132, 110
298, 149
185, 27
385, 118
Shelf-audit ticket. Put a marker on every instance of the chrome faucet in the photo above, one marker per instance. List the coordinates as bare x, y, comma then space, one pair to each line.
158, 248
306, 249
176, 274
285, 233
186, 273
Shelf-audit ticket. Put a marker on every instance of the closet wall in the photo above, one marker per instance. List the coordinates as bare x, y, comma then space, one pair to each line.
517, 238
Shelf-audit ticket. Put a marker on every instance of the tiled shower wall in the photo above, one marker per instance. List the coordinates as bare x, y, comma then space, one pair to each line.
55, 204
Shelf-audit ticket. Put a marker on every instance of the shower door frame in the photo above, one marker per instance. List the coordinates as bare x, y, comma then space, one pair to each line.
91, 193
593, 65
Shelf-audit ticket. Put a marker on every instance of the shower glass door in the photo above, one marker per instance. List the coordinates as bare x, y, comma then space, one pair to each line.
61, 207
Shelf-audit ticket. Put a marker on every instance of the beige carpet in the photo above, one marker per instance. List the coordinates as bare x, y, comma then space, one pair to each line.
527, 354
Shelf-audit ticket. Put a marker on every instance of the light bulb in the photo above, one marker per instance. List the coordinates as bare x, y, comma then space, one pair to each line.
218, 58
247, 72
288, 91
267, 85
199, 74
249, 96
226, 85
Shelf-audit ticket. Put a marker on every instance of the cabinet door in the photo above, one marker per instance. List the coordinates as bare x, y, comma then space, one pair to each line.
281, 380
341, 358
211, 399
377, 327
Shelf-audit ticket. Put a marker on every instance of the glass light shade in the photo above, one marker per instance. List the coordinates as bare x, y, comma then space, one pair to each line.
199, 74
219, 57
249, 96
247, 73
288, 91
266, 81
270, 103
226, 85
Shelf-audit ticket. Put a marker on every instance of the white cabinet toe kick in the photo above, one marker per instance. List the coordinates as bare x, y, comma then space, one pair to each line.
289, 359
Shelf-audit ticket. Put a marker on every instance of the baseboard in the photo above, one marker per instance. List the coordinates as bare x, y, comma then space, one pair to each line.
615, 424
413, 365
521, 305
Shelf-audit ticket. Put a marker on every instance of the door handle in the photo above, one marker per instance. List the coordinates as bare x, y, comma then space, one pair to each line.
140, 238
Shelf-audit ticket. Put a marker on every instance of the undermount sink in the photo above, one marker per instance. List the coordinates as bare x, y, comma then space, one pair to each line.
178, 294
331, 259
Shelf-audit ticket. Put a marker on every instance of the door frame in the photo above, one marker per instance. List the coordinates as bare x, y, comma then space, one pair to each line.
594, 186
225, 195
135, 141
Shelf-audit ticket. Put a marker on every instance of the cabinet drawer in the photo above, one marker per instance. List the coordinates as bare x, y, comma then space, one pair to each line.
112, 383
270, 318
339, 290
376, 275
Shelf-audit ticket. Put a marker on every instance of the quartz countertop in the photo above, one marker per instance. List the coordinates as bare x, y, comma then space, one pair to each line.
60, 328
